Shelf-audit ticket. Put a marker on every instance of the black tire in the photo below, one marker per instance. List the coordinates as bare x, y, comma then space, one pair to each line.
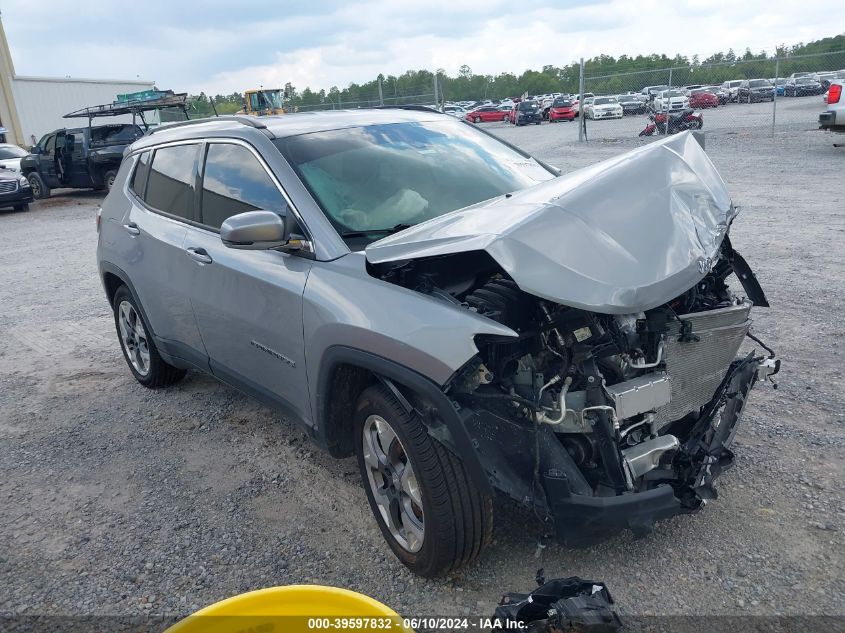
457, 516
108, 179
477, 119
159, 373
22, 207
39, 189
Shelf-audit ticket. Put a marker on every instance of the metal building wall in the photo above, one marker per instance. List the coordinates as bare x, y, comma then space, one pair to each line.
42, 101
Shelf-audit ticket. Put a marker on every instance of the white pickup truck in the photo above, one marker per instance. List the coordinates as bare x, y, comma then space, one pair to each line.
834, 117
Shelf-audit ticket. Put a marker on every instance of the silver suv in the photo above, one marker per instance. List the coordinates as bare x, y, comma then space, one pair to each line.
448, 309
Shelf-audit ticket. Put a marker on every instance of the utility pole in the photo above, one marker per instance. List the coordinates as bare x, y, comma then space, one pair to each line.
581, 122
380, 94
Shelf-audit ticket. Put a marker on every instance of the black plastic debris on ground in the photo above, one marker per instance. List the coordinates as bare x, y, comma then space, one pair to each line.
563, 604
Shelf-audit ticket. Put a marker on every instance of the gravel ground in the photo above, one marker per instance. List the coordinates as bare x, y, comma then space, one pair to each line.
121, 500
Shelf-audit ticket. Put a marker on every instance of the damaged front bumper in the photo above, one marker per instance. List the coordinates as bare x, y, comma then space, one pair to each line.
531, 465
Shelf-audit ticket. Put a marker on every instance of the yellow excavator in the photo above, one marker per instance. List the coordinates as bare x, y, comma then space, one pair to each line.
263, 102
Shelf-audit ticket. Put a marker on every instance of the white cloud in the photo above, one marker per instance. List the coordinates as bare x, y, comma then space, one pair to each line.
231, 47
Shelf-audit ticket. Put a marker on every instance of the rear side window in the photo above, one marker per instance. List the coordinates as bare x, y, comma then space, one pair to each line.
170, 184
234, 181
139, 178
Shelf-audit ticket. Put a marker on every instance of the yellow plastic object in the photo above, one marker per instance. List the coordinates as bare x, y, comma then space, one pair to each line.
295, 608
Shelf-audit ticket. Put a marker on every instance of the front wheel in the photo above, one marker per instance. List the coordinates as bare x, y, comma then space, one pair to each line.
477, 119
39, 189
428, 508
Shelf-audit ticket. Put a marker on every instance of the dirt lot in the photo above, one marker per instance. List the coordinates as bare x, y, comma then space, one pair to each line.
120, 500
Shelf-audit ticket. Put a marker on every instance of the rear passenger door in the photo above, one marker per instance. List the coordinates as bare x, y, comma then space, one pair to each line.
248, 304
164, 197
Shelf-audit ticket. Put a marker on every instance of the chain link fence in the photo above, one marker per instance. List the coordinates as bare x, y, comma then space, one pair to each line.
743, 96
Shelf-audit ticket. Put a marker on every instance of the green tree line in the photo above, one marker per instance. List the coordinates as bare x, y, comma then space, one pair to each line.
604, 74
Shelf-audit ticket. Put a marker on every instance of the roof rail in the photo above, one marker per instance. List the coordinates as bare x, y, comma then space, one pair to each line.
243, 120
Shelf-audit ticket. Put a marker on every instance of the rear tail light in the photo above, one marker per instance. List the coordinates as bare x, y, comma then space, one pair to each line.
834, 94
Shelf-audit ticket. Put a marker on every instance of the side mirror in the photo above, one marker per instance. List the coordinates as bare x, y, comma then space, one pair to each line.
256, 230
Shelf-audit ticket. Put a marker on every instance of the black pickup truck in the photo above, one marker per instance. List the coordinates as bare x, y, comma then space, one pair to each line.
79, 158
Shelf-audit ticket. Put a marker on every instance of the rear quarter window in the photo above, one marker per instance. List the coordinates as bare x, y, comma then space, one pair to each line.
139, 176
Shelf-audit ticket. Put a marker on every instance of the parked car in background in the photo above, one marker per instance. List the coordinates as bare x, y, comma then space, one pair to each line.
801, 87
577, 102
671, 100
732, 87
804, 74
702, 98
631, 104
720, 92
562, 110
15, 192
692, 87
755, 90
485, 114
526, 112
604, 108
780, 86
455, 111
834, 117
650, 92
79, 158
10, 157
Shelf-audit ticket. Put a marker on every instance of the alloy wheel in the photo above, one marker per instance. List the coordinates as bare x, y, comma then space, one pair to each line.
35, 185
393, 483
133, 337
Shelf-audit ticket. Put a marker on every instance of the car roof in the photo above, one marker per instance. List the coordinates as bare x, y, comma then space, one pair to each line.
293, 124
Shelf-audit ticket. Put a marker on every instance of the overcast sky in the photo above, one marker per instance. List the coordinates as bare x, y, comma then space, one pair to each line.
221, 46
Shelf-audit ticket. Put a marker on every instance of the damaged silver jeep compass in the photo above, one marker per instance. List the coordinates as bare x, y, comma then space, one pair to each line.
448, 309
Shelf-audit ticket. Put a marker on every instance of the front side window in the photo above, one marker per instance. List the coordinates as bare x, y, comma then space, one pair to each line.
374, 178
170, 185
234, 181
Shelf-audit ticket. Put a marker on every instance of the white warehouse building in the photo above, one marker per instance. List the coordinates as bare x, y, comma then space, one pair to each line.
33, 106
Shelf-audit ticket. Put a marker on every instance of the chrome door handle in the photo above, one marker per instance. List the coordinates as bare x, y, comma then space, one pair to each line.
199, 255
132, 228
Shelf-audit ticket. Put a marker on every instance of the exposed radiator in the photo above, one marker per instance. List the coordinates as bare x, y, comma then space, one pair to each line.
698, 367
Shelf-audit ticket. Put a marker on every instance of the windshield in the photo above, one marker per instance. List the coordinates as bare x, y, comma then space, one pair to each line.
272, 98
673, 93
604, 100
528, 105
758, 83
372, 179
805, 80
561, 103
11, 151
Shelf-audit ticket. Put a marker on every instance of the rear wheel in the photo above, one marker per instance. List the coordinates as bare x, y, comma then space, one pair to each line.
138, 347
108, 179
39, 189
430, 512
477, 119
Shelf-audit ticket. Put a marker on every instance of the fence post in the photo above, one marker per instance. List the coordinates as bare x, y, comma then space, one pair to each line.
436, 101
775, 97
669, 101
380, 93
581, 103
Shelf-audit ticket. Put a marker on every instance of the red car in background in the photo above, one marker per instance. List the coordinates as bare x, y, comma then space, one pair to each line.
563, 109
485, 114
701, 98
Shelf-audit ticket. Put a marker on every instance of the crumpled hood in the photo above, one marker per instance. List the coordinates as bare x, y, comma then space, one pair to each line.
624, 235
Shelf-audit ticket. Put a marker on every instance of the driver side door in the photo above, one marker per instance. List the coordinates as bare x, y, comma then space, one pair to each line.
247, 303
